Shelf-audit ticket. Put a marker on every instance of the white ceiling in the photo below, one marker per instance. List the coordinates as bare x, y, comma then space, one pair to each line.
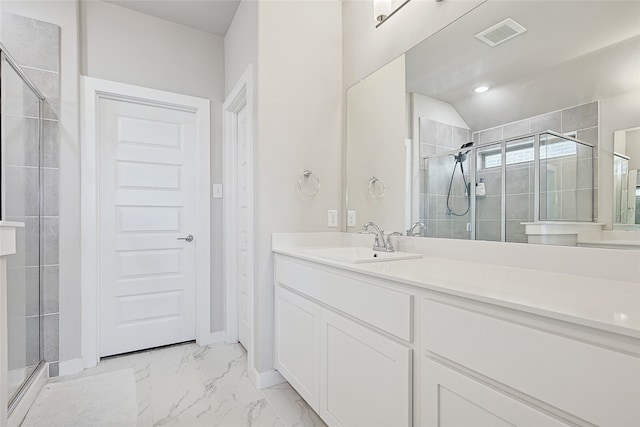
573, 52
212, 16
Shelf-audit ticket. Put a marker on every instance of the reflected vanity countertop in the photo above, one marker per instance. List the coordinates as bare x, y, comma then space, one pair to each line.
608, 305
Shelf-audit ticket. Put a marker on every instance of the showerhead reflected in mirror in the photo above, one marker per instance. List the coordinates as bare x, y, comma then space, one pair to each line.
567, 70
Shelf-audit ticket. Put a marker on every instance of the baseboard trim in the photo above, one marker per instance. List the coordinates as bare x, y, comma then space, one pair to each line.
212, 338
69, 367
267, 379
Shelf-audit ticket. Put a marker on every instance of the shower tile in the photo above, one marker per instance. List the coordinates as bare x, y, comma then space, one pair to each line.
441, 208
551, 205
569, 207
444, 228
589, 135
32, 291
515, 232
428, 130
443, 136
18, 98
32, 43
489, 208
569, 176
550, 121
432, 230
16, 293
518, 207
17, 339
27, 243
518, 180
492, 182
489, 135
21, 141
21, 191
51, 233
51, 337
459, 136
516, 129
51, 144
427, 150
584, 205
51, 190
51, 290
580, 117
459, 230
33, 340
488, 230
49, 84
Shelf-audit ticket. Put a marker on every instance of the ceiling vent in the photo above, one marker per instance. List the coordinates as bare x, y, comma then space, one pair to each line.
501, 32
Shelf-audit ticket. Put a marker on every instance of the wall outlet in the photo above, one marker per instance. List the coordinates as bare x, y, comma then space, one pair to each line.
216, 190
332, 218
351, 218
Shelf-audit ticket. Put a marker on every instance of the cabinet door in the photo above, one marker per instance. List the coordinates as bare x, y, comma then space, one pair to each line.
365, 377
297, 338
451, 399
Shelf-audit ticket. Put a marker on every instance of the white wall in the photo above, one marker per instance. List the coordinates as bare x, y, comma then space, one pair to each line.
127, 46
240, 43
376, 147
367, 48
65, 15
299, 127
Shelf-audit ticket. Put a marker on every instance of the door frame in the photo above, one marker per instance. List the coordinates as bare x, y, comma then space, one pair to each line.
241, 96
92, 90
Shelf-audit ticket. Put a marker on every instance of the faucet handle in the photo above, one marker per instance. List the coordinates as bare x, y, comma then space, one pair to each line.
388, 245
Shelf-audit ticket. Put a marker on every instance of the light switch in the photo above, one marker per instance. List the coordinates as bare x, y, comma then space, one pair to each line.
351, 218
332, 218
217, 191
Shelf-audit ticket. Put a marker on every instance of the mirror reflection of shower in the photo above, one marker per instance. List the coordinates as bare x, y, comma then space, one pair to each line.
459, 159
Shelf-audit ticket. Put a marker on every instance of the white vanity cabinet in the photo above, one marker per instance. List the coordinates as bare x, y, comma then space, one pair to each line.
500, 367
349, 371
364, 350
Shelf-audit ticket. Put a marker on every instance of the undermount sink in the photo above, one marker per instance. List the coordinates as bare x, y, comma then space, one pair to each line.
356, 255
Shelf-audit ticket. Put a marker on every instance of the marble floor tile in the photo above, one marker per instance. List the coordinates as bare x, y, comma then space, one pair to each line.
189, 385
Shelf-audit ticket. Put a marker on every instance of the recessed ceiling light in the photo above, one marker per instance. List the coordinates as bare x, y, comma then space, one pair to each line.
482, 89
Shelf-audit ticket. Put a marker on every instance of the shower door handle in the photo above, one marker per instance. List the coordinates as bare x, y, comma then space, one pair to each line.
188, 238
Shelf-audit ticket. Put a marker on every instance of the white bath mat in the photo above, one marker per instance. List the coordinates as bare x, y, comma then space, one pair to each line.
98, 400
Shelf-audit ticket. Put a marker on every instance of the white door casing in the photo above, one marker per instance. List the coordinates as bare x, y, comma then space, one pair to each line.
243, 231
238, 232
133, 214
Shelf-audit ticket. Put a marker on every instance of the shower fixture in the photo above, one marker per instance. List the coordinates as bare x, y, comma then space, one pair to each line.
460, 159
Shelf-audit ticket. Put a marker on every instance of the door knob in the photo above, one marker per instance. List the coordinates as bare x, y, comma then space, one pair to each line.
188, 238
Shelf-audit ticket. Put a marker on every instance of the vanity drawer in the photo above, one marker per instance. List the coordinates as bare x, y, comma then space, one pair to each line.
384, 308
595, 384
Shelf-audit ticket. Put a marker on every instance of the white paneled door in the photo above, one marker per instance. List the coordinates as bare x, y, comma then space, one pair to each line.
147, 217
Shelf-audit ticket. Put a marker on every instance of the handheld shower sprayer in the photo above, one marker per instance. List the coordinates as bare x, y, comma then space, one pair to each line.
460, 158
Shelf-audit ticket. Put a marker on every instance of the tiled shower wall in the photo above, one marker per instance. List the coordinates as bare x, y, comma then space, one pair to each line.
437, 137
582, 119
35, 45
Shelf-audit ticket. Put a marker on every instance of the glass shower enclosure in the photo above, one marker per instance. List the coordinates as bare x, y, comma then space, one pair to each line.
490, 191
21, 183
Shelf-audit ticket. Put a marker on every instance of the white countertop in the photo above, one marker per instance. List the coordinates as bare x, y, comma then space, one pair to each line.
608, 305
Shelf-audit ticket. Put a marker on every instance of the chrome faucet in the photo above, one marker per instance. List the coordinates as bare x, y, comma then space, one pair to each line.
420, 226
382, 242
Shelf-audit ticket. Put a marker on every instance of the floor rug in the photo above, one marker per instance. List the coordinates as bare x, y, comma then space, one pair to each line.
98, 400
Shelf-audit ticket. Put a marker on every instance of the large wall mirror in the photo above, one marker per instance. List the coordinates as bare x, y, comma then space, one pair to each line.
500, 122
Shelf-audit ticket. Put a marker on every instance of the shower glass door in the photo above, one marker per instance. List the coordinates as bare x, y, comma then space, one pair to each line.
20, 127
